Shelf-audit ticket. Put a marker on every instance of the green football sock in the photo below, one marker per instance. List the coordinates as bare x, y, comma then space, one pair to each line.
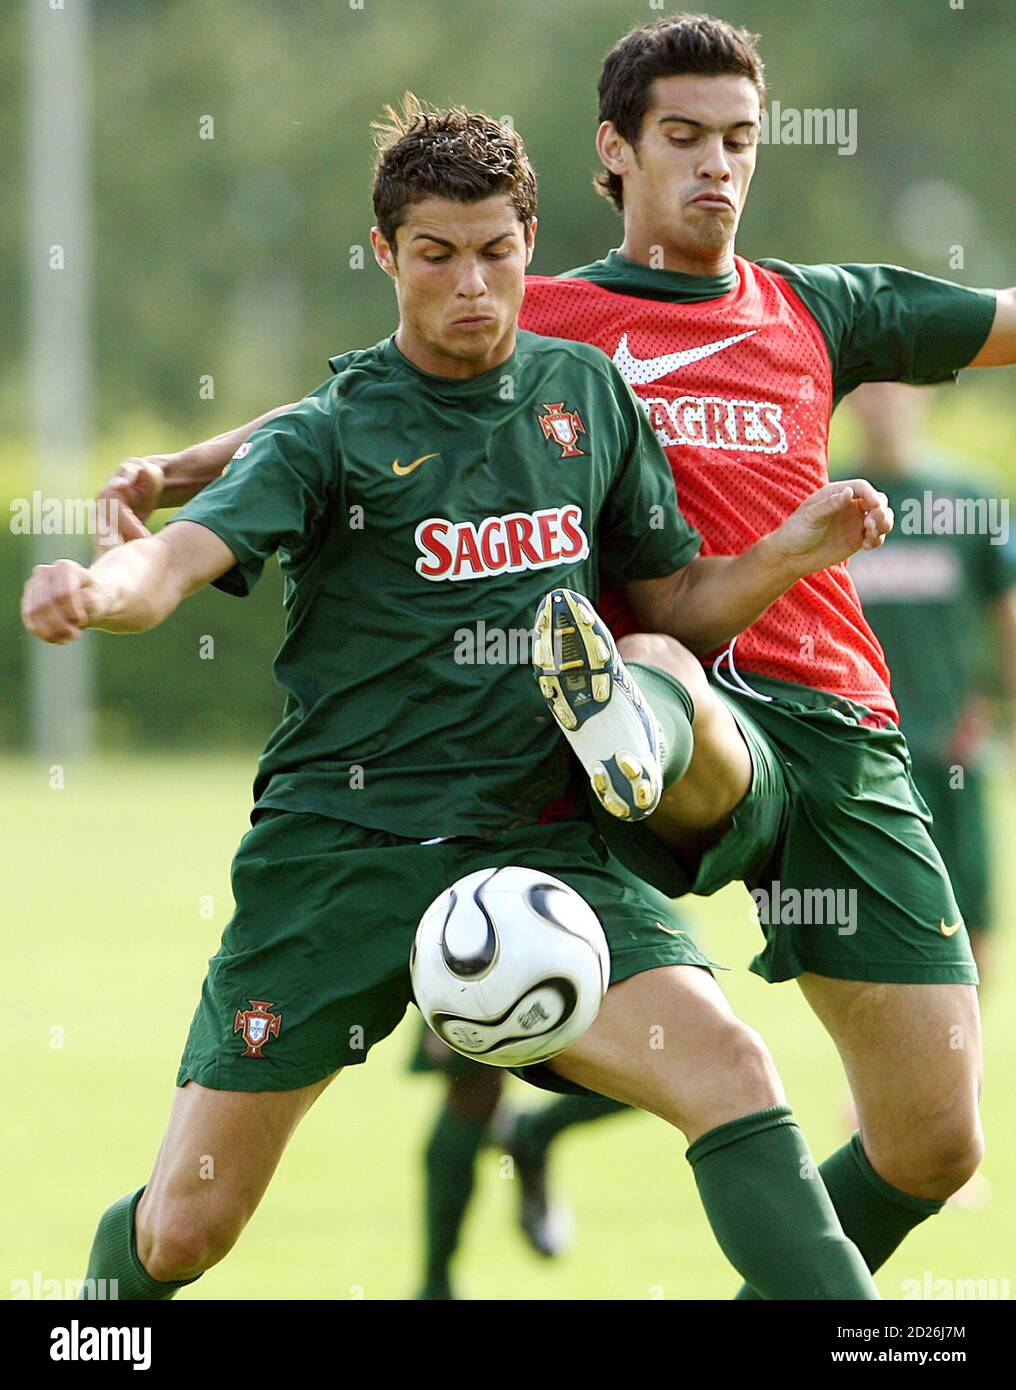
115, 1256
450, 1163
536, 1129
675, 711
771, 1215
874, 1214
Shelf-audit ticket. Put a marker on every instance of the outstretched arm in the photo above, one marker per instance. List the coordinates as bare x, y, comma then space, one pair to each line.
141, 485
999, 348
129, 589
715, 597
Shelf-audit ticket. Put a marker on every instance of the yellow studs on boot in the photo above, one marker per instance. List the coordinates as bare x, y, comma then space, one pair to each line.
606, 795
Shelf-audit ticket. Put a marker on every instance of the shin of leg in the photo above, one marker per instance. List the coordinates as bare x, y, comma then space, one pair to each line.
912, 1054
217, 1158
667, 1041
700, 802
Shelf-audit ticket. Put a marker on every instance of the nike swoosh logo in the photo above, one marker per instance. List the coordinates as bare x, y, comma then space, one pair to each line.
641, 371
671, 931
949, 931
401, 470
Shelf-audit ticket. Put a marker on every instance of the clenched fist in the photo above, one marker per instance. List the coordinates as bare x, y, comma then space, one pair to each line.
134, 491
834, 522
60, 600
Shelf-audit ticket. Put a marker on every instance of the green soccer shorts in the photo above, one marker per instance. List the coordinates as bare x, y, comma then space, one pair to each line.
313, 968
960, 830
832, 841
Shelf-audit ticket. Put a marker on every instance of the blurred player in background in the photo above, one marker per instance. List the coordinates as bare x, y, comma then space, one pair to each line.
940, 598
474, 1113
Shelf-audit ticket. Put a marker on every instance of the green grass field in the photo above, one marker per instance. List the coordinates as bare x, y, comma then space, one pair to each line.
106, 933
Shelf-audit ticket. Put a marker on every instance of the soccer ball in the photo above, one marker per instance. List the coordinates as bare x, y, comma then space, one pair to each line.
509, 966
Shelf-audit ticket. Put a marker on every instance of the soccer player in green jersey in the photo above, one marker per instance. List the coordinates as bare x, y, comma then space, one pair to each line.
418, 487
938, 598
738, 366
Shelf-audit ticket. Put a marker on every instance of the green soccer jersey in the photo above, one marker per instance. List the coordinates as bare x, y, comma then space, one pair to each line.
418, 522
926, 591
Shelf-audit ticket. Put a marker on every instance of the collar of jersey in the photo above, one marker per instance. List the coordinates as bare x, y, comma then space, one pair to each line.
617, 272
458, 387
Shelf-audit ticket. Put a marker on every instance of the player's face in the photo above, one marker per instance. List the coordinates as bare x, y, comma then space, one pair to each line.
460, 277
686, 184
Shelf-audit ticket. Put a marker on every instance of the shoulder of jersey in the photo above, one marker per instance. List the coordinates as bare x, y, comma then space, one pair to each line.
353, 371
538, 285
362, 358
827, 274
586, 353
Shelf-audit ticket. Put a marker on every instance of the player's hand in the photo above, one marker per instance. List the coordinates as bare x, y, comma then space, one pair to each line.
833, 523
131, 495
60, 600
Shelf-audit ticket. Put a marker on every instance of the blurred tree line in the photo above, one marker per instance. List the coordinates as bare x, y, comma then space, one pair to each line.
232, 171
233, 155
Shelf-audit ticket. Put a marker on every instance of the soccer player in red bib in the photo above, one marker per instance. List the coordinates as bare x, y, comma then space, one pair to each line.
788, 768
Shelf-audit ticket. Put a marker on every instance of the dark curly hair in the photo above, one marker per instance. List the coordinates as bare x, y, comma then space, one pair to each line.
685, 43
458, 154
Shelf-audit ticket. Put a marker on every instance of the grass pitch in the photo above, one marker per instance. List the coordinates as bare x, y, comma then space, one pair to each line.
116, 892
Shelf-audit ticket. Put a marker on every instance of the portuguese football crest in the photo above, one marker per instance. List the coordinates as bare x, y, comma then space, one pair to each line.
257, 1024
564, 427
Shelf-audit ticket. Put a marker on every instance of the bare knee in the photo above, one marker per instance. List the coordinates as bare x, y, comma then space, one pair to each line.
180, 1239
740, 1079
930, 1161
752, 1082
668, 1042
666, 654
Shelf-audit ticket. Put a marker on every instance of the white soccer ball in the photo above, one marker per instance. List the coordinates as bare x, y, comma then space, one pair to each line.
509, 966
